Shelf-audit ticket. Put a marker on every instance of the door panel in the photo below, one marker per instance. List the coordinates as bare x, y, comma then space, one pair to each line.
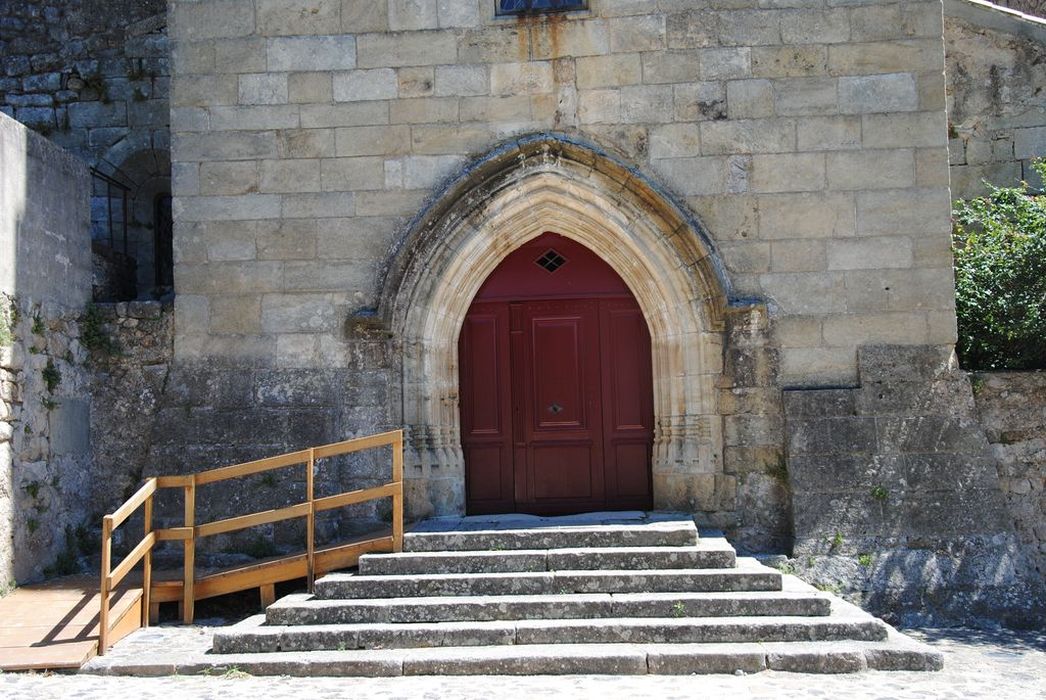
563, 407
628, 430
486, 409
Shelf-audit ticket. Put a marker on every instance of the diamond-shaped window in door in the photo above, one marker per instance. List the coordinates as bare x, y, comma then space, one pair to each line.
551, 261
526, 7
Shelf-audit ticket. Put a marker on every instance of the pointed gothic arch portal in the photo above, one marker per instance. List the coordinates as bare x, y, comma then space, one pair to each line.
516, 194
557, 397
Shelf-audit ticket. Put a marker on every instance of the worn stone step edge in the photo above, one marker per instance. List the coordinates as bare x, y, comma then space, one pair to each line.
255, 637
305, 609
898, 653
662, 534
605, 581
708, 554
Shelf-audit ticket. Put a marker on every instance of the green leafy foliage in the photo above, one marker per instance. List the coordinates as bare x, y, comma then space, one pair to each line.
999, 242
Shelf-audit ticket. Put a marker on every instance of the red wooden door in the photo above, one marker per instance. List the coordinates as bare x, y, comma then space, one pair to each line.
556, 387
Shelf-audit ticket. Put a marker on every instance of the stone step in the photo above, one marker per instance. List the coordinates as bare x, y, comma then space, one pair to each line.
713, 553
670, 533
335, 586
256, 637
304, 609
897, 653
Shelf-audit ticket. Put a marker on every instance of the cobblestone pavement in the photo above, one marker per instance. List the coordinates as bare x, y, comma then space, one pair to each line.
997, 665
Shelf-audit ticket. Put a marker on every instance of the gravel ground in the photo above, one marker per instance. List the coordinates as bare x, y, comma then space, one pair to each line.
978, 664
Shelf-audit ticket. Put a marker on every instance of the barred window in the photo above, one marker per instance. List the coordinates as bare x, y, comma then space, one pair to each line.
527, 7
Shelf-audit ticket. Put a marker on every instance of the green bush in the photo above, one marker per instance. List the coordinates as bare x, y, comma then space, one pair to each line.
999, 242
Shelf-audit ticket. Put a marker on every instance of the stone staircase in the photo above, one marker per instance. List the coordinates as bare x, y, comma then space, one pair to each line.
534, 596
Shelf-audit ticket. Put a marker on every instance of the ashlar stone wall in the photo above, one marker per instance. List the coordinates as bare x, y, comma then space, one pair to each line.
810, 141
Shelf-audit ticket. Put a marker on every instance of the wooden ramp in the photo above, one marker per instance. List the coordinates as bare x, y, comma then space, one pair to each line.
54, 625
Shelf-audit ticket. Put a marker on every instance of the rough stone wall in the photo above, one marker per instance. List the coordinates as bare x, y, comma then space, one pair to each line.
896, 496
996, 97
1012, 408
93, 76
44, 412
1031, 7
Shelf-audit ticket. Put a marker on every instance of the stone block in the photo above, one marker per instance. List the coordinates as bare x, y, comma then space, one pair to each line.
913, 211
372, 140
403, 49
1029, 142
347, 114
288, 313
875, 253
905, 130
829, 133
263, 89
232, 145
312, 53
227, 208
789, 61
699, 101
276, 17
305, 143
318, 205
97, 114
628, 34
609, 71
806, 96
799, 172
806, 293
247, 55
846, 435
571, 39
366, 85
225, 177
212, 19
521, 78
818, 26
306, 88
458, 14
449, 140
649, 104
290, 175
895, 92
348, 174
866, 170
726, 63
749, 28
749, 99
747, 136
412, 15
293, 239
362, 16
462, 80
416, 82
798, 256
254, 118
675, 141
695, 176
239, 314
915, 56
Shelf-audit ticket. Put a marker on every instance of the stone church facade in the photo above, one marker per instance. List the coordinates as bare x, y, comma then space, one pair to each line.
770, 180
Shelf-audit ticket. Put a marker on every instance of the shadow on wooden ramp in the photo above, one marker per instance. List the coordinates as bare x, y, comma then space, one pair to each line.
54, 625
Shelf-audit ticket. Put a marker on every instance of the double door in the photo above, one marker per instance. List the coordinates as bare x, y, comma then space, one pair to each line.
556, 406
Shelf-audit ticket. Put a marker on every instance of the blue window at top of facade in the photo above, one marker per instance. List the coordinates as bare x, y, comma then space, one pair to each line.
522, 7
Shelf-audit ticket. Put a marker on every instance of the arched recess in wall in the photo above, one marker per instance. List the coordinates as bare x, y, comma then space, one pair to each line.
147, 174
516, 193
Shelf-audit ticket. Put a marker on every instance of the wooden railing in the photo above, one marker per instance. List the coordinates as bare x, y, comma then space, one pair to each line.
263, 575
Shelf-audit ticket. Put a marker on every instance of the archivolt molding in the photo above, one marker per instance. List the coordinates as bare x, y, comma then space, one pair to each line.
520, 192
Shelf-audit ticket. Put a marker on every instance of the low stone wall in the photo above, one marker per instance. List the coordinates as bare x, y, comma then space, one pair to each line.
45, 282
1012, 408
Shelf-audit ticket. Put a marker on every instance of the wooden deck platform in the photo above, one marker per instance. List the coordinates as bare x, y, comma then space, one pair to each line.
54, 625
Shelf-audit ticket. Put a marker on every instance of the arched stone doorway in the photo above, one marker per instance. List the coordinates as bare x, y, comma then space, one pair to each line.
515, 194
556, 395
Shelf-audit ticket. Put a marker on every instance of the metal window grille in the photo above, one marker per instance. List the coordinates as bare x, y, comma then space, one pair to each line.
109, 204
527, 7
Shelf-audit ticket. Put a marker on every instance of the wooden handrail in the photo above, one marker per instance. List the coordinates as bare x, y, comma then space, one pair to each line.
190, 531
